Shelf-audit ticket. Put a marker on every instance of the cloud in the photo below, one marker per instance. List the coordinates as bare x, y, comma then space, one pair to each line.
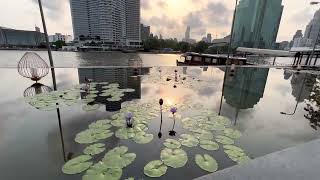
145, 4
54, 8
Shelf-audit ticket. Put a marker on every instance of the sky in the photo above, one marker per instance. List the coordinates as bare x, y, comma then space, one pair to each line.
166, 17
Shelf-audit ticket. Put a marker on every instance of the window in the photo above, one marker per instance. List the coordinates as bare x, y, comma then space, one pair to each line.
189, 58
197, 59
207, 60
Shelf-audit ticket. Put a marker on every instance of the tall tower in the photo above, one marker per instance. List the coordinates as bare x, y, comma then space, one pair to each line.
257, 23
187, 35
114, 22
313, 27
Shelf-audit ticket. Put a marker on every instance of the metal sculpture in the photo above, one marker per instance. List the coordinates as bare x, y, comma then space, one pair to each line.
32, 66
35, 89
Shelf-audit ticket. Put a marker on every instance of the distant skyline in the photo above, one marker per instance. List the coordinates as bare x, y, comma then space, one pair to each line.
167, 17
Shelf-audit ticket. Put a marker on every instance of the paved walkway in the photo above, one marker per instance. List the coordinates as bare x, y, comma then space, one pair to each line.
298, 163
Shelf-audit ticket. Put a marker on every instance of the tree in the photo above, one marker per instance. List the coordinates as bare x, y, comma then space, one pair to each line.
200, 47
59, 44
183, 47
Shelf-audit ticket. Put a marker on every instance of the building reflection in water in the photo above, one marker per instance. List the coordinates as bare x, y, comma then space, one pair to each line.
125, 77
244, 88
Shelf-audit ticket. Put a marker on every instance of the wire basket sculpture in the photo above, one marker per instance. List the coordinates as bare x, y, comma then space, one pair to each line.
35, 89
32, 66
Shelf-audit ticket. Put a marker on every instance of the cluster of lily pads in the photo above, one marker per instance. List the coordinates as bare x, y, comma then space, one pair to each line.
207, 131
56, 99
53, 100
109, 168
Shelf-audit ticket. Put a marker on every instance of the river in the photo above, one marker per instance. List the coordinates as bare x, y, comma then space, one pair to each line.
10, 58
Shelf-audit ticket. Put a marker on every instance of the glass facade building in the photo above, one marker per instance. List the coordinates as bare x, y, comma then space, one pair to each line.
257, 23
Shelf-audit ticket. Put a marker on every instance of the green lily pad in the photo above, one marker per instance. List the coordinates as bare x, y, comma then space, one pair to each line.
224, 140
223, 120
130, 178
87, 100
101, 171
172, 144
77, 165
206, 163
209, 145
235, 134
236, 154
94, 149
203, 135
175, 158
129, 90
118, 157
92, 135
102, 124
188, 140
91, 96
140, 127
214, 125
91, 107
155, 169
118, 123
143, 138
125, 133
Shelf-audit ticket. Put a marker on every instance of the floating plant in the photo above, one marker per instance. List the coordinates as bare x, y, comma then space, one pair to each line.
143, 138
155, 169
236, 154
203, 134
206, 162
209, 145
224, 140
101, 171
235, 134
172, 144
77, 165
94, 149
175, 158
118, 157
188, 140
92, 135
118, 123
101, 124
125, 133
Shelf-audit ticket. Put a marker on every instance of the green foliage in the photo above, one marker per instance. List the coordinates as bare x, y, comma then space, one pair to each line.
200, 47
59, 44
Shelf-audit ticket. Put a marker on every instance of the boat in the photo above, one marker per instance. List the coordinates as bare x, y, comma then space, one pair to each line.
196, 59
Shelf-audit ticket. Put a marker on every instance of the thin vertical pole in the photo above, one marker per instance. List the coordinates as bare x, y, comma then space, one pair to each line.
48, 46
232, 28
222, 94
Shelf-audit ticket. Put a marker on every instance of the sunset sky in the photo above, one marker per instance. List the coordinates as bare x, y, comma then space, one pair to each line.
168, 17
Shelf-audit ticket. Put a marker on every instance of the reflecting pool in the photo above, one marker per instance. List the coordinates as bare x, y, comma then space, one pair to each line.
209, 119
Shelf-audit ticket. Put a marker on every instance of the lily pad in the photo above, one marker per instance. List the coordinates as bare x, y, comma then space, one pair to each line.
140, 127
94, 149
209, 145
92, 135
224, 140
118, 157
155, 169
102, 124
172, 144
203, 135
77, 165
101, 171
175, 158
206, 163
118, 123
188, 140
143, 138
91, 107
236, 154
223, 120
125, 133
235, 134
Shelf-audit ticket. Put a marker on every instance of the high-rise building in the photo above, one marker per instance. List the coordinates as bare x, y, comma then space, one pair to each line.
115, 23
187, 34
313, 27
13, 37
257, 23
145, 32
209, 38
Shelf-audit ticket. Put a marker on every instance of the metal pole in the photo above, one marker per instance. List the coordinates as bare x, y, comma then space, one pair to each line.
48, 46
232, 28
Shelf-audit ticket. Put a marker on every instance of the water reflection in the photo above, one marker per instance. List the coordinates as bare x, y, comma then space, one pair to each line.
36, 88
313, 107
125, 77
244, 87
